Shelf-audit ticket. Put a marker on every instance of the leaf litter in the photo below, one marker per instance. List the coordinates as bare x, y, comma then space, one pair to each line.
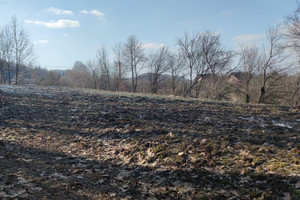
60, 143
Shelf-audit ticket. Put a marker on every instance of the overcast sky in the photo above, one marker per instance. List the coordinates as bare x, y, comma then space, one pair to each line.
64, 31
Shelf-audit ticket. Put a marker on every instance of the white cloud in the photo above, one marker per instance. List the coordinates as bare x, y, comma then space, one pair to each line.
249, 37
85, 12
152, 46
41, 42
93, 12
62, 23
97, 13
58, 11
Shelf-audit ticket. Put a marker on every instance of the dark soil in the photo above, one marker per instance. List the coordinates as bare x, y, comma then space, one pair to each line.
59, 143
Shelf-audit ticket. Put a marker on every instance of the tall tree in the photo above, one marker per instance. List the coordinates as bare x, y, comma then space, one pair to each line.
104, 66
22, 46
119, 67
2, 56
191, 52
6, 45
293, 90
176, 67
250, 60
273, 67
292, 34
205, 58
94, 72
157, 65
292, 25
218, 61
135, 58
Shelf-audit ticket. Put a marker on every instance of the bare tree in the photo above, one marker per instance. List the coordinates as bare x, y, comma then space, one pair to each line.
39, 74
273, 67
78, 76
119, 66
23, 48
296, 92
2, 55
218, 62
104, 67
2, 64
7, 51
157, 65
191, 52
134, 58
176, 67
94, 73
292, 26
292, 88
250, 61
292, 35
52, 78
205, 58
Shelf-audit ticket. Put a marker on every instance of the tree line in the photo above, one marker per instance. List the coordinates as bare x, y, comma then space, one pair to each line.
200, 67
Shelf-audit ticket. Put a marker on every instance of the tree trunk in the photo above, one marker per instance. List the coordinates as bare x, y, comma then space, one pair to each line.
120, 77
17, 74
9, 78
262, 95
191, 82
